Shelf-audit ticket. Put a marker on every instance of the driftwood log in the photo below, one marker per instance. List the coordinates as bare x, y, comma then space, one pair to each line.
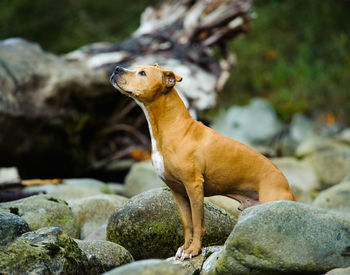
60, 117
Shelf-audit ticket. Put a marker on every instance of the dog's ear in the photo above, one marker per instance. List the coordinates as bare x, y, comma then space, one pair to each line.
171, 78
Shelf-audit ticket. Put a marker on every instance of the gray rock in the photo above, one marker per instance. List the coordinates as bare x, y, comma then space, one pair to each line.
339, 271
72, 188
93, 212
149, 267
304, 196
301, 128
253, 124
44, 211
194, 265
228, 204
335, 198
316, 144
149, 225
9, 174
110, 255
142, 177
117, 188
99, 234
286, 237
39, 89
344, 136
45, 251
11, 226
298, 173
330, 166
208, 266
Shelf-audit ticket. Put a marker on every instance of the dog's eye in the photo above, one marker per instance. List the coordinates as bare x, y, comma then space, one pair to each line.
142, 73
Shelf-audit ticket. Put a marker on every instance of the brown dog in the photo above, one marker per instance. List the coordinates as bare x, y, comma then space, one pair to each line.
194, 160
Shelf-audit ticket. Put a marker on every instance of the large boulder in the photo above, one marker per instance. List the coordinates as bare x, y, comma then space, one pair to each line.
11, 226
38, 95
335, 198
286, 237
110, 255
142, 177
254, 124
331, 166
93, 212
149, 267
149, 225
44, 211
45, 251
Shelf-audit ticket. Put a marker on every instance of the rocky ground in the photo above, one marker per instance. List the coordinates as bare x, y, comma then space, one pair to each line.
87, 226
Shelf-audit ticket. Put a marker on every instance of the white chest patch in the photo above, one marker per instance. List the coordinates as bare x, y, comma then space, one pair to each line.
157, 158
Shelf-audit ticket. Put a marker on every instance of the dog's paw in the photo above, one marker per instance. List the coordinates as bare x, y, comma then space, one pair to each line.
179, 253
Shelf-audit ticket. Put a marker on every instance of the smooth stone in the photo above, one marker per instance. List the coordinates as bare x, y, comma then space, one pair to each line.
93, 212
317, 144
44, 211
110, 255
239, 122
339, 271
301, 128
149, 267
142, 177
331, 166
228, 204
9, 174
72, 188
335, 198
298, 173
99, 234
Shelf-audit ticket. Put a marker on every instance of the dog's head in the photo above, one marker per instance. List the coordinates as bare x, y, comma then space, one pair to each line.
145, 83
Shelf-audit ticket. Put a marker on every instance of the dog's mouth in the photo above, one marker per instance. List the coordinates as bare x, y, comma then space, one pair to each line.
115, 84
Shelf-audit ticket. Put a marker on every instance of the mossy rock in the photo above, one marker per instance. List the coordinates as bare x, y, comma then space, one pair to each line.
44, 211
45, 251
11, 226
286, 237
110, 255
149, 225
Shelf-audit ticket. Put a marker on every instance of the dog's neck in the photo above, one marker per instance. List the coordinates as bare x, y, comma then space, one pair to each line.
166, 116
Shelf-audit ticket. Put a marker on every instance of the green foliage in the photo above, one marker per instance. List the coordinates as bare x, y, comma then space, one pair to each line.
65, 25
297, 55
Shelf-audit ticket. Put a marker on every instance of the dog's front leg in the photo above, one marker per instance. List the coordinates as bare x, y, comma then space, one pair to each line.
183, 204
195, 192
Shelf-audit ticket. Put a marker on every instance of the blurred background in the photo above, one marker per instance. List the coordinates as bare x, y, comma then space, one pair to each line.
292, 57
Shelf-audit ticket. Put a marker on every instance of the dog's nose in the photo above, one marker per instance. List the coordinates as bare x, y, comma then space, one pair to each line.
118, 70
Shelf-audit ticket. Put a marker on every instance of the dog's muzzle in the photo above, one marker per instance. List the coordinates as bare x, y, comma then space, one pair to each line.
117, 71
